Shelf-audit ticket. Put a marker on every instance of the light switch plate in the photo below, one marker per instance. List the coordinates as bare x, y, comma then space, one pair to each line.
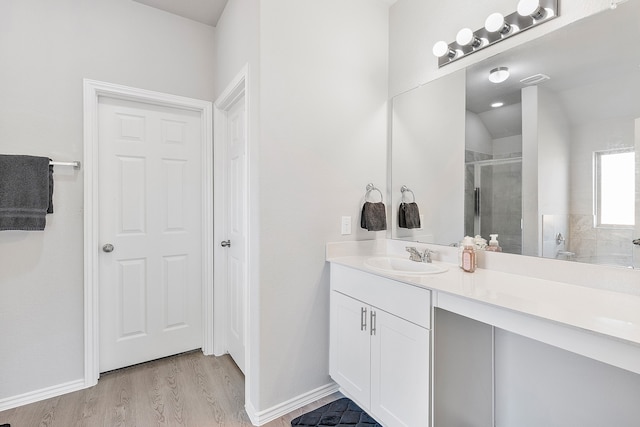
345, 225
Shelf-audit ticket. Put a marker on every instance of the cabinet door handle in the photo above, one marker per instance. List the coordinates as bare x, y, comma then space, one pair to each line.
363, 318
373, 322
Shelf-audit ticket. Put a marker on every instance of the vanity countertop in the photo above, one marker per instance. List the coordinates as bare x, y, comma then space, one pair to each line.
606, 312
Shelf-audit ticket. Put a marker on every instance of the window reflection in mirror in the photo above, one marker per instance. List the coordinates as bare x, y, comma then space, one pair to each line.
615, 188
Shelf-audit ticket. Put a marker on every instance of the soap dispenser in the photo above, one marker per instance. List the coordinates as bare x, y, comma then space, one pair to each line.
494, 246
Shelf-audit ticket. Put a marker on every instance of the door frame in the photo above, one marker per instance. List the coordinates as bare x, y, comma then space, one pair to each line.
93, 91
225, 101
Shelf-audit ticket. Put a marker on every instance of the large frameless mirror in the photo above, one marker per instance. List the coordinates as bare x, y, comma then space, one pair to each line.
545, 159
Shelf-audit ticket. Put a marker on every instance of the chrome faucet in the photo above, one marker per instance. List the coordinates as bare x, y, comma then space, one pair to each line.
415, 255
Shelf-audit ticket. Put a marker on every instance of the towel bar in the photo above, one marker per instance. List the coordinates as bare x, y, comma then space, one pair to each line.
76, 164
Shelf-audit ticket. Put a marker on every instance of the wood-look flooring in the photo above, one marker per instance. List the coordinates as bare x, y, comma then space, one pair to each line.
189, 389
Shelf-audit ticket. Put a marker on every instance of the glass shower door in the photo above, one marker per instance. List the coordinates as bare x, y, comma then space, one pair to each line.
493, 201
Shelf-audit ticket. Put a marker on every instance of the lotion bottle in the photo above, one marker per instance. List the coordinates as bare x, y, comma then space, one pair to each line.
468, 255
461, 245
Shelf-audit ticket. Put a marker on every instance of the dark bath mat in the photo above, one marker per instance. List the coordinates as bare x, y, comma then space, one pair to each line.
341, 413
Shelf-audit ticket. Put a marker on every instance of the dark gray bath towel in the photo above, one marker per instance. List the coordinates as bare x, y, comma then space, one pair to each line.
374, 216
409, 215
26, 192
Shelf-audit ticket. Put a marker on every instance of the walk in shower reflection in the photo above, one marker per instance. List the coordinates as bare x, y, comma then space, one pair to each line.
493, 200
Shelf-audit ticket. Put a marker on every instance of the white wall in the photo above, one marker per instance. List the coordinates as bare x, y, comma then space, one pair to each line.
554, 142
427, 149
503, 121
507, 145
477, 137
237, 43
546, 140
323, 79
530, 182
47, 48
554, 163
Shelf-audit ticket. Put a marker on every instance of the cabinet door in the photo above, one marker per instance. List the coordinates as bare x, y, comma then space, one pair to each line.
350, 347
399, 371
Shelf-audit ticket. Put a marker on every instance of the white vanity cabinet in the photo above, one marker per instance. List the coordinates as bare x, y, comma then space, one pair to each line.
380, 340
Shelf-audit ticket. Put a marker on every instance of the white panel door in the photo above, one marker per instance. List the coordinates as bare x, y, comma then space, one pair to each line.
150, 212
236, 219
349, 363
399, 371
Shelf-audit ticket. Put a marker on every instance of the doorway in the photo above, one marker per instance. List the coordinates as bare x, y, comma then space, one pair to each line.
150, 206
232, 223
130, 108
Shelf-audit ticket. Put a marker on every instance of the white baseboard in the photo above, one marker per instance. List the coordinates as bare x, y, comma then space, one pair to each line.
42, 394
263, 417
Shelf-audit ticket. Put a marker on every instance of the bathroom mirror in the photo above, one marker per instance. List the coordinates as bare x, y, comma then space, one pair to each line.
552, 170
427, 150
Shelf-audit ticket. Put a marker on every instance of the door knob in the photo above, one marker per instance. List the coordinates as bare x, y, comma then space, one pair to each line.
636, 242
225, 243
108, 247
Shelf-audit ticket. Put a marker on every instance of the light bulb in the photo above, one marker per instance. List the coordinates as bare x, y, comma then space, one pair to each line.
496, 23
531, 8
466, 37
441, 49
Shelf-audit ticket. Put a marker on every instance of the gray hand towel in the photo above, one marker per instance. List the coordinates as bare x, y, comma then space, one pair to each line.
374, 216
409, 215
26, 192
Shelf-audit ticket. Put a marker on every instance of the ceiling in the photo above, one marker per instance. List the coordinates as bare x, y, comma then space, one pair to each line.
205, 11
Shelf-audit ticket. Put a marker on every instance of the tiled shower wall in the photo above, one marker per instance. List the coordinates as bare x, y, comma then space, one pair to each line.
597, 245
581, 241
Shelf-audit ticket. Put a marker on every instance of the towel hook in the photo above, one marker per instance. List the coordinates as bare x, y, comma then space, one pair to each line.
370, 188
405, 189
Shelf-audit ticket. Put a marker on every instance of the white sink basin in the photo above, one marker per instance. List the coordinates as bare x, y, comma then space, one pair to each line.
403, 266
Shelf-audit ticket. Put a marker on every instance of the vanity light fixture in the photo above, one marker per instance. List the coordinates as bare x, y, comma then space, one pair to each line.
497, 27
499, 74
